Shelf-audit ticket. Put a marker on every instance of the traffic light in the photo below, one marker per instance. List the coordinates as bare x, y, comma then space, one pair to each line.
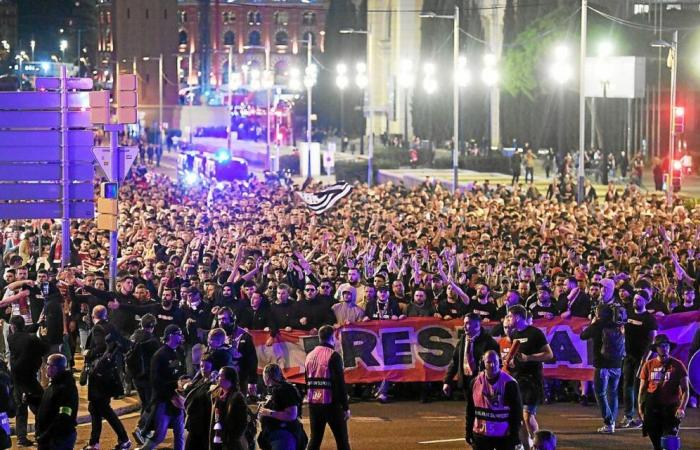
679, 119
676, 173
99, 107
107, 210
126, 98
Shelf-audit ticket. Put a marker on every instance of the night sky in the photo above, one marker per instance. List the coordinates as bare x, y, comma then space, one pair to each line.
41, 20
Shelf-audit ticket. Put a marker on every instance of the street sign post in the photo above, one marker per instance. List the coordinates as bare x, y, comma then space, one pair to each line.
46, 163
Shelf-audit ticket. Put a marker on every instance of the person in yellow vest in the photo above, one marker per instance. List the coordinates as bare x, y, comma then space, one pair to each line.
494, 408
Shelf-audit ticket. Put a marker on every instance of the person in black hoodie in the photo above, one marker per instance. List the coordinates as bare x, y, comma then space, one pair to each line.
219, 352
312, 313
243, 355
198, 404
57, 413
166, 369
138, 361
258, 315
26, 355
103, 338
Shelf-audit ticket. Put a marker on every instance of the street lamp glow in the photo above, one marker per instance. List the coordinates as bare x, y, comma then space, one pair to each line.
429, 68
63, 45
361, 80
430, 85
605, 48
268, 80
561, 52
235, 81
490, 76
342, 81
490, 60
341, 69
561, 72
361, 67
462, 75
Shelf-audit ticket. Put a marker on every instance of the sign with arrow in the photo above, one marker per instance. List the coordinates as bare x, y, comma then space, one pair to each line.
127, 156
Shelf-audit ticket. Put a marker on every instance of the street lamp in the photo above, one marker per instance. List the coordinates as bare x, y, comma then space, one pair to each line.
63, 45
560, 71
490, 77
160, 97
268, 81
310, 75
362, 81
429, 82
32, 45
406, 80
342, 81
673, 59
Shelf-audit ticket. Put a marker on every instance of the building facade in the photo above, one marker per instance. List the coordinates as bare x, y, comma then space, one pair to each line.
8, 34
254, 35
133, 36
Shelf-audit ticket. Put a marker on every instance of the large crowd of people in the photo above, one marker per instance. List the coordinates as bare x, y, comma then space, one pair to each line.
201, 266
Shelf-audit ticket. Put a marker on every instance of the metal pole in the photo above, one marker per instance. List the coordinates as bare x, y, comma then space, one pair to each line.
230, 99
672, 128
160, 102
342, 118
405, 117
65, 173
269, 93
308, 108
629, 126
582, 101
370, 117
593, 123
113, 130
455, 103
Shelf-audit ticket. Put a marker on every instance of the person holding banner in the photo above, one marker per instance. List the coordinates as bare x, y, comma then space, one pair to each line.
526, 366
663, 394
468, 355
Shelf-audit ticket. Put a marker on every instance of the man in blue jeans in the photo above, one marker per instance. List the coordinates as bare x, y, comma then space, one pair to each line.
166, 369
608, 354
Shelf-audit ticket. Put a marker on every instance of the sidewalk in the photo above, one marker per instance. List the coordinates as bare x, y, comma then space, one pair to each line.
122, 406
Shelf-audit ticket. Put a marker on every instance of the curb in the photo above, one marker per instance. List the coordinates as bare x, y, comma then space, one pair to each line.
121, 411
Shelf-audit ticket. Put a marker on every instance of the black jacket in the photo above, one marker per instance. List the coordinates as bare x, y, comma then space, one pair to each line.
258, 319
121, 318
146, 345
57, 413
26, 354
317, 313
595, 333
166, 369
483, 343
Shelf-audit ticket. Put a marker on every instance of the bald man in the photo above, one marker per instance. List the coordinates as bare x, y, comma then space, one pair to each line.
56, 416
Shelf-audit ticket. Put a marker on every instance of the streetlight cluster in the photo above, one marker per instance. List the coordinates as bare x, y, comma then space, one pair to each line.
342, 79
560, 69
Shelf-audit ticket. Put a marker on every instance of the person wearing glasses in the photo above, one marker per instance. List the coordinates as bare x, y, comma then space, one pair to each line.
313, 312
168, 406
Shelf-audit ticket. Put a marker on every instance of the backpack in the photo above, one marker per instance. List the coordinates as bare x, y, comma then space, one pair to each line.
613, 345
133, 359
105, 371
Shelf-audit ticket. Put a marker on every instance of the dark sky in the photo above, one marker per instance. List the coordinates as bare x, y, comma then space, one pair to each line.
41, 20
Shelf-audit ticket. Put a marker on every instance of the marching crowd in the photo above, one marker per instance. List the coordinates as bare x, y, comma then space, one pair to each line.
201, 266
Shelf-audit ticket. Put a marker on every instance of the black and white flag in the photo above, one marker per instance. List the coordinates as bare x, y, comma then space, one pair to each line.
323, 200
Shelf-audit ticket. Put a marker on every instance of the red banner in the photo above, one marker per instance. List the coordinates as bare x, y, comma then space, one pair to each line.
420, 349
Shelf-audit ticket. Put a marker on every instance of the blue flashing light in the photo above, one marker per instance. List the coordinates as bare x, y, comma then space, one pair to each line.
223, 156
190, 178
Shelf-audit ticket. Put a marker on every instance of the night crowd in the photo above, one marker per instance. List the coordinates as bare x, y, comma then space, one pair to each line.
200, 266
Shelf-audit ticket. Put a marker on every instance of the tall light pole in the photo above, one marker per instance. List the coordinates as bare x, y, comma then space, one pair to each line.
63, 45
455, 90
406, 79
160, 97
582, 101
32, 45
368, 96
673, 57
310, 74
342, 81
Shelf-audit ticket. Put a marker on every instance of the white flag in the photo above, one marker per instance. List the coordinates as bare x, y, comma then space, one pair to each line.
321, 201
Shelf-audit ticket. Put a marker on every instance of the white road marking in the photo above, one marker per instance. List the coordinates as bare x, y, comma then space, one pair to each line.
440, 441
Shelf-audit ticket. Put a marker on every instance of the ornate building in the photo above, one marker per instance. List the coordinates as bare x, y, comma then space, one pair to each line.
254, 35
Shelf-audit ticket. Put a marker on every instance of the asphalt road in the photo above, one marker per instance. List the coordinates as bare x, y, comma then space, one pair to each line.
440, 425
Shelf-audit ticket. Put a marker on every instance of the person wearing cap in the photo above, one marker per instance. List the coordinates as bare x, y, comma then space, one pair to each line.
168, 407
144, 344
663, 393
640, 330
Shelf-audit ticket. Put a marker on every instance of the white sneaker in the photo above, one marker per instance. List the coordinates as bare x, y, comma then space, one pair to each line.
607, 429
